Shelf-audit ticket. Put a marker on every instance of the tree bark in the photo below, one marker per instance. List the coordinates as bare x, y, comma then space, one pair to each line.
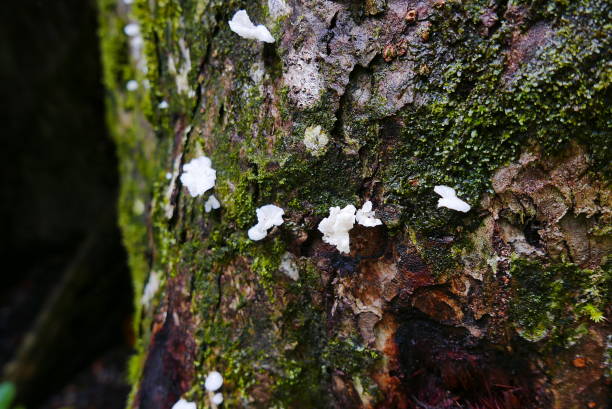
500, 307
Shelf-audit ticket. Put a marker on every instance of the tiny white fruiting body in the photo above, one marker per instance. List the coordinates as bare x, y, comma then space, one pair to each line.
336, 227
198, 176
213, 381
183, 404
217, 398
211, 203
267, 217
131, 29
150, 288
241, 24
450, 200
163, 105
131, 85
365, 216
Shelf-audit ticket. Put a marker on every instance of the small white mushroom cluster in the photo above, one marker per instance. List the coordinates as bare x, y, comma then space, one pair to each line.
268, 216
198, 177
213, 383
336, 226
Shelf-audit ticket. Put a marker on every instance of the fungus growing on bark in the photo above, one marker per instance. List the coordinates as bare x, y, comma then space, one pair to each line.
198, 176
131, 85
365, 216
267, 217
241, 24
450, 200
183, 404
211, 203
217, 398
213, 381
336, 227
163, 105
131, 29
150, 288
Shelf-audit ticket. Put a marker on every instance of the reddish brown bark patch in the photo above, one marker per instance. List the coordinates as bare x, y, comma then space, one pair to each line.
444, 367
168, 370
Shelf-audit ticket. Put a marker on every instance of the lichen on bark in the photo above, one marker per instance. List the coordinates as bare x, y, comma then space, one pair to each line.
504, 101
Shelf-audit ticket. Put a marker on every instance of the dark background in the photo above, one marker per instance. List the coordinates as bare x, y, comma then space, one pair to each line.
65, 296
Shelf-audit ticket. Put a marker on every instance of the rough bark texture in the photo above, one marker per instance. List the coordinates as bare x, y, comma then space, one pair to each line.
502, 307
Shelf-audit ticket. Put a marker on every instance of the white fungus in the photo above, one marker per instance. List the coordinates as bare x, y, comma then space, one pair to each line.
128, 1
315, 140
163, 105
217, 398
365, 216
198, 176
267, 217
131, 85
241, 24
131, 29
211, 203
449, 199
213, 382
336, 227
183, 404
151, 288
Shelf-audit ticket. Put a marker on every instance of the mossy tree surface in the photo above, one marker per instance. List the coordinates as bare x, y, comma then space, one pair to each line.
506, 101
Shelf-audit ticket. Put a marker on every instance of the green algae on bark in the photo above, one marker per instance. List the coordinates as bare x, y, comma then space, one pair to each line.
477, 85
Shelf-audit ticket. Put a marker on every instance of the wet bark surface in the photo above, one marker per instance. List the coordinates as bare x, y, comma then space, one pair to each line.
502, 307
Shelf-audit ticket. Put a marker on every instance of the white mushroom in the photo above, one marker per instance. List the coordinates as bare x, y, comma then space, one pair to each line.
336, 227
450, 200
211, 203
131, 29
241, 24
267, 217
198, 176
365, 216
131, 85
183, 404
213, 381
217, 398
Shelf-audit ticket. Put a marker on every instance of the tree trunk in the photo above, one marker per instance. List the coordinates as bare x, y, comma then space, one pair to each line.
500, 307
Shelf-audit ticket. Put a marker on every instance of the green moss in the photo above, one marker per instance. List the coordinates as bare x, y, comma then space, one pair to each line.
478, 117
557, 302
348, 355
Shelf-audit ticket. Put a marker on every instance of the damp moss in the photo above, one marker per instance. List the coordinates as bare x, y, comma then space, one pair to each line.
557, 302
478, 116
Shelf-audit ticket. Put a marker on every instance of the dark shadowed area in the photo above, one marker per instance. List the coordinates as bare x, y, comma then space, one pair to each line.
65, 298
